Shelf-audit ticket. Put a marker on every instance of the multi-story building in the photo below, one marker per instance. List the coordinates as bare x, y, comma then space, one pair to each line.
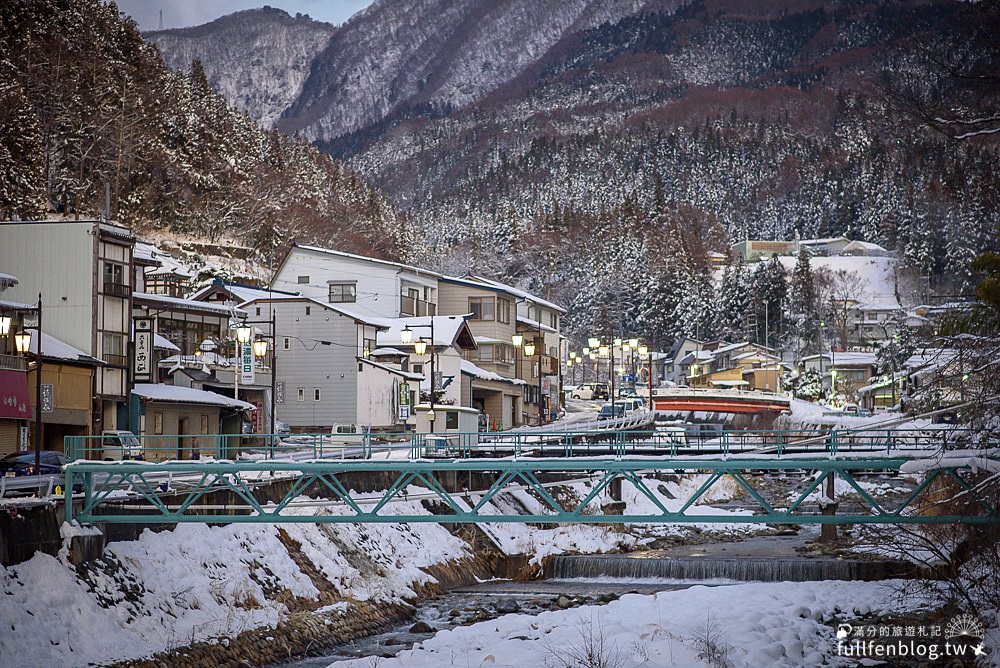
367, 286
84, 271
490, 378
336, 367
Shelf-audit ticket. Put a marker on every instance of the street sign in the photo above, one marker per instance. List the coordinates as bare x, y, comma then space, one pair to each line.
48, 398
22, 441
142, 361
404, 401
246, 363
279, 392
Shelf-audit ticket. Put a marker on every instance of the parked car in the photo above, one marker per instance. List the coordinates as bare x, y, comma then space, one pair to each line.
118, 444
591, 391
281, 427
611, 411
23, 463
633, 404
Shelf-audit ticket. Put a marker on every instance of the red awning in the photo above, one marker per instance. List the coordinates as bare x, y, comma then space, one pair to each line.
14, 401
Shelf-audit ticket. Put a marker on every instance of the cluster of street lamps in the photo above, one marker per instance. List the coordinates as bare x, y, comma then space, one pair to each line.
632, 353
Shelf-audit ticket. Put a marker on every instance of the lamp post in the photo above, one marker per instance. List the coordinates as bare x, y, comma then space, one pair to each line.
243, 335
644, 352
420, 347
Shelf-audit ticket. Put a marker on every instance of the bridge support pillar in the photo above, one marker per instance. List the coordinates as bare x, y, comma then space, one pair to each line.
615, 489
828, 506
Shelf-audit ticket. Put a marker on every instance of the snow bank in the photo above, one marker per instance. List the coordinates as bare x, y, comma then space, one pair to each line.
198, 582
762, 624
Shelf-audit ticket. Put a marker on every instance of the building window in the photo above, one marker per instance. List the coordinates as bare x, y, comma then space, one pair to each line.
481, 308
554, 320
157, 423
114, 279
343, 293
503, 310
204, 424
303, 280
286, 344
367, 347
302, 394
484, 353
451, 420
257, 311
418, 368
113, 347
315, 394
308, 310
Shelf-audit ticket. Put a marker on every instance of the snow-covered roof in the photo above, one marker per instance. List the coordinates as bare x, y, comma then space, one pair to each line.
391, 369
179, 304
7, 281
243, 293
187, 395
470, 369
534, 324
144, 252
448, 331
54, 349
375, 321
821, 242
15, 306
330, 251
518, 292
489, 340
845, 358
880, 305
864, 246
160, 343
387, 352
754, 353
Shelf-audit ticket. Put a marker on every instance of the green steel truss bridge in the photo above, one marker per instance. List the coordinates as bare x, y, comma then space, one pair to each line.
318, 483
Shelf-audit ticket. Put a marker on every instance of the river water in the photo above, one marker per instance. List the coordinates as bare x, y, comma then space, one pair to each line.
596, 579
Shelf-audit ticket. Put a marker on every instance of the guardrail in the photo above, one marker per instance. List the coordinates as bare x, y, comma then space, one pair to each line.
578, 442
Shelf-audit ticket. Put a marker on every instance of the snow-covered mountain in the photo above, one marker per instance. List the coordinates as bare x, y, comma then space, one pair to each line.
573, 145
257, 59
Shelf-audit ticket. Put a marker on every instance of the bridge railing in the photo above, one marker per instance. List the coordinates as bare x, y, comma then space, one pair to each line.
416, 445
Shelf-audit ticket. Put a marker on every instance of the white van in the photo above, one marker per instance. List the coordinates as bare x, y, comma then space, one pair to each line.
348, 441
118, 445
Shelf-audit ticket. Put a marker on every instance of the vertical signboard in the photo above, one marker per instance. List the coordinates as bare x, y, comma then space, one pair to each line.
246, 363
142, 362
404, 401
48, 398
279, 392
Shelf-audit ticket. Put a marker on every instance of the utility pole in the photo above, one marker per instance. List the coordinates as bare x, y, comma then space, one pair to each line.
38, 391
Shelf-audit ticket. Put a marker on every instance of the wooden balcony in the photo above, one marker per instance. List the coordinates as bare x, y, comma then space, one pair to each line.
416, 307
13, 363
117, 290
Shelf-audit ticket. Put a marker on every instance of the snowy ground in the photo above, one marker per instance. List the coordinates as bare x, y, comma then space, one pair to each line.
198, 582
752, 625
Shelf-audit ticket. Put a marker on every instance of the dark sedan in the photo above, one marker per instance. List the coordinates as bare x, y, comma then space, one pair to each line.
23, 463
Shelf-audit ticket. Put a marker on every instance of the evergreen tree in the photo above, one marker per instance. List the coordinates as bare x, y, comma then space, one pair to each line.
803, 306
770, 289
735, 303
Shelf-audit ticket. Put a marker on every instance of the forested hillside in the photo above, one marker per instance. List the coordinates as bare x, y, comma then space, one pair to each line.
88, 108
595, 150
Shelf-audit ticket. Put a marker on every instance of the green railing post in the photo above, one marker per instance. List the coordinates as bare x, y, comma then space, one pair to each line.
68, 495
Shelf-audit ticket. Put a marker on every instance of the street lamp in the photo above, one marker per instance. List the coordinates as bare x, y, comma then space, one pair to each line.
22, 341
420, 348
260, 348
529, 348
517, 340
